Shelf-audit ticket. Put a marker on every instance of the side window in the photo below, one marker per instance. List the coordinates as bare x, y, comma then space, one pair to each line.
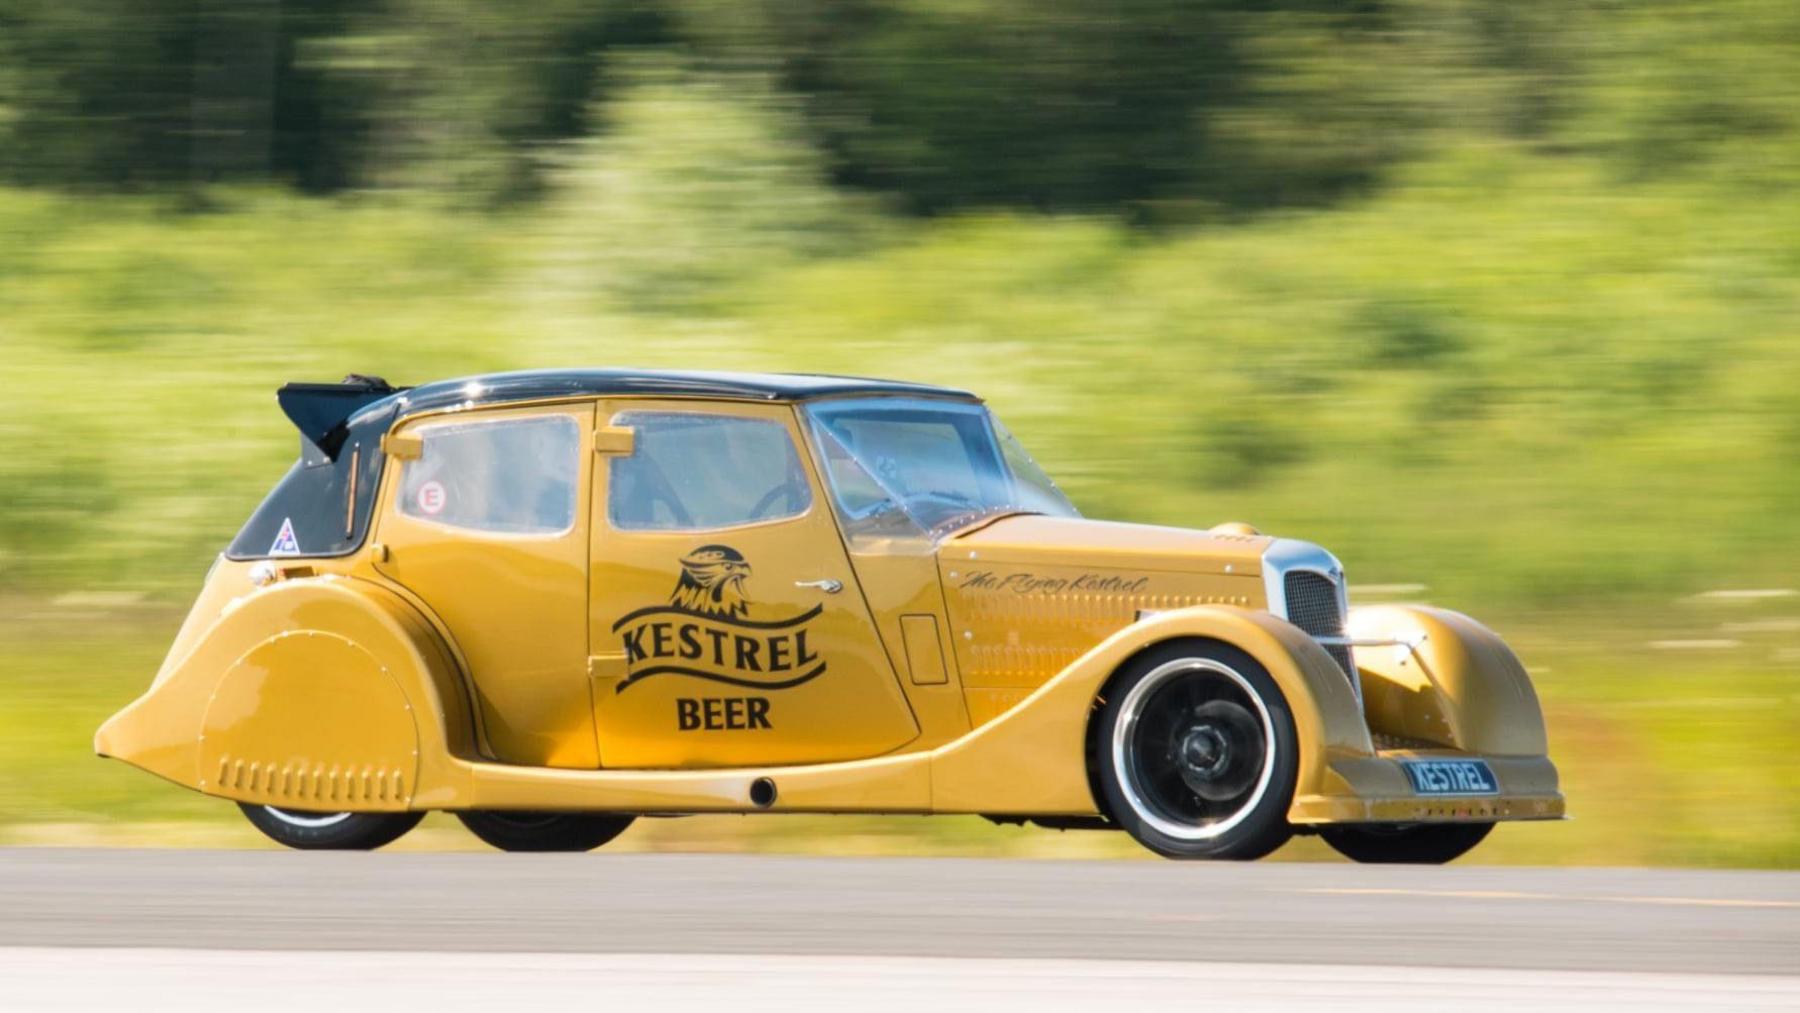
510, 476
693, 471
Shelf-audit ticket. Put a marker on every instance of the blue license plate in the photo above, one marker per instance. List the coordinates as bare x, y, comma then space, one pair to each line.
1451, 777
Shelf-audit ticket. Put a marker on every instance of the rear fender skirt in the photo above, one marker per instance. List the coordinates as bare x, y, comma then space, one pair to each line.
315, 684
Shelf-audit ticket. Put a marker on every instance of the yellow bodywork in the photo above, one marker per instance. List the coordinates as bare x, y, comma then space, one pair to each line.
431, 669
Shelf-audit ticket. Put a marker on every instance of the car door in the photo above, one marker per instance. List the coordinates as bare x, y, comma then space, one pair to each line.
486, 520
726, 624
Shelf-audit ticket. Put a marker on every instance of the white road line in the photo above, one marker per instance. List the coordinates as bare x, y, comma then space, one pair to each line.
1746, 594
196, 981
1788, 625
1695, 645
98, 599
1374, 891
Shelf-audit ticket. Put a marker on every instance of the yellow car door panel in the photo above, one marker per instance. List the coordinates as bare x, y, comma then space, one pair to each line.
727, 628
488, 525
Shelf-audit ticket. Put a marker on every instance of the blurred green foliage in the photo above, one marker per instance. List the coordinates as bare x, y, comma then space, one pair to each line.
1537, 362
1510, 376
1495, 297
1164, 109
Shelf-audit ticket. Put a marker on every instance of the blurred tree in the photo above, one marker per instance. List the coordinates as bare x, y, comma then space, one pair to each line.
321, 94
695, 180
95, 105
1505, 68
1164, 109
1679, 86
159, 92
1327, 99
1052, 104
476, 92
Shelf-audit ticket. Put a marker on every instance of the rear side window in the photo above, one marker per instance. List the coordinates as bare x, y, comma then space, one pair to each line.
689, 471
507, 476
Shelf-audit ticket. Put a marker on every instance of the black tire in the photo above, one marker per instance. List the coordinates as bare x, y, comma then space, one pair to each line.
1195, 753
325, 831
1414, 844
543, 831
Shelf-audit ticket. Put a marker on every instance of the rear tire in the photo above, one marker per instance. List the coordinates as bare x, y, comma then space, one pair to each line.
1415, 844
1195, 753
543, 831
307, 830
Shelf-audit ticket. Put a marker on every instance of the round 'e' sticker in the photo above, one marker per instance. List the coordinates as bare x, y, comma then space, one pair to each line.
431, 497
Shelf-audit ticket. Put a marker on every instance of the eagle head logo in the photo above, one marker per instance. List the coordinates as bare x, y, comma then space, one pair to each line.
712, 582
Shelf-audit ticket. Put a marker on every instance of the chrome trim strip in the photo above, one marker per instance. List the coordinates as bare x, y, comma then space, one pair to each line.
1411, 642
1288, 555
1408, 647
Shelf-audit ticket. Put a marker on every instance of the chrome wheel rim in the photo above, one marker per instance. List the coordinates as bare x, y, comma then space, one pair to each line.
309, 820
1193, 749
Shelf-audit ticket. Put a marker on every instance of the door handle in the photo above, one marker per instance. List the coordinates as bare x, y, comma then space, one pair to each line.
827, 585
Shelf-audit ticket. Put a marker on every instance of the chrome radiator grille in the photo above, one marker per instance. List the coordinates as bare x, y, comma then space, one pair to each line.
1312, 605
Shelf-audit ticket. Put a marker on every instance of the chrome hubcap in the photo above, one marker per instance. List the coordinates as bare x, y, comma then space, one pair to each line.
302, 818
1193, 748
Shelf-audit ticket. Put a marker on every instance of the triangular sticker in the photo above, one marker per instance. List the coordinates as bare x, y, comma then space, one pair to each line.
285, 542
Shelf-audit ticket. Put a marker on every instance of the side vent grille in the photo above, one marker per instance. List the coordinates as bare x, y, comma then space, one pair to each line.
1312, 605
300, 783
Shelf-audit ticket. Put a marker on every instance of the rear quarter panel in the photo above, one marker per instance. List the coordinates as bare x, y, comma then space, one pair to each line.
330, 677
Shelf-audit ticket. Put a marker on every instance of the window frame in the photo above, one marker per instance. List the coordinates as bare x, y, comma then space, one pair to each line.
425, 425
854, 524
618, 413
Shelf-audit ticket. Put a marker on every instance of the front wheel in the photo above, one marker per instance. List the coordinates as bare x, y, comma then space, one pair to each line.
543, 831
1196, 754
1405, 844
308, 830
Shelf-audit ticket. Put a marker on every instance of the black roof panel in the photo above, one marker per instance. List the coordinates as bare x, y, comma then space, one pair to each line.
306, 509
529, 385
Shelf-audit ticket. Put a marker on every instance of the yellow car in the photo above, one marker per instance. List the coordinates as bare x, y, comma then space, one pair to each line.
550, 602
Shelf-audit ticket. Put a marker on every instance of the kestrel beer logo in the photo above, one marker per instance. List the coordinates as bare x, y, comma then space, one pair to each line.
707, 631
712, 582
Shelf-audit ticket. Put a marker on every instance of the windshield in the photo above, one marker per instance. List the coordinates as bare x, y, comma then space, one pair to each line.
934, 466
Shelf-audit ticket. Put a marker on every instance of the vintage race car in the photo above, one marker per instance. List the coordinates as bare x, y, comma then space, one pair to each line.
550, 602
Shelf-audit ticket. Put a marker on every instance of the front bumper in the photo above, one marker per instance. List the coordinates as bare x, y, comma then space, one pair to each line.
1375, 789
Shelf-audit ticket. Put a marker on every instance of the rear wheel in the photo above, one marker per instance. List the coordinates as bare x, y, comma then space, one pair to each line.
1405, 844
309, 830
511, 830
1196, 754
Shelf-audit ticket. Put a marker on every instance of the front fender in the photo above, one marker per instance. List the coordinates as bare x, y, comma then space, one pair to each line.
1033, 759
321, 693
1458, 686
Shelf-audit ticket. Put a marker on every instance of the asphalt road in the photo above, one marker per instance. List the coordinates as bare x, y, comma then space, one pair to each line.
1591, 920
